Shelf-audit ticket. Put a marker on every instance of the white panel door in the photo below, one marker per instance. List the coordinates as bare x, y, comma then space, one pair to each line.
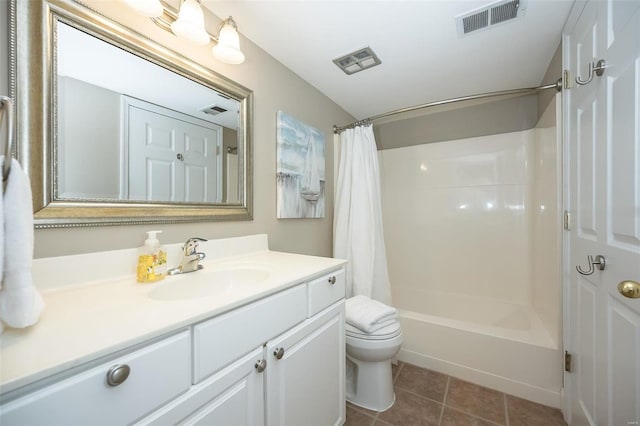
155, 172
604, 198
171, 156
202, 164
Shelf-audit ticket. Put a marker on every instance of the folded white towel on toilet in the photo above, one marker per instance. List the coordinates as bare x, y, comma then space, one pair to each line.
20, 302
369, 315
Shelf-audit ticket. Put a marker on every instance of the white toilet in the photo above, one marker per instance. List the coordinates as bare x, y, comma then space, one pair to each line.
369, 379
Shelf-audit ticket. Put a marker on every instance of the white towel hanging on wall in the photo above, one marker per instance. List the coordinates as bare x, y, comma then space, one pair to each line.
2, 239
20, 302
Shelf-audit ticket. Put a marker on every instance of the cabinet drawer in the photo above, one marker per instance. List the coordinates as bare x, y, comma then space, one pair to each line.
158, 373
223, 339
326, 290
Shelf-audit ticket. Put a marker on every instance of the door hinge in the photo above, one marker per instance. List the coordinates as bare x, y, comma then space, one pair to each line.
567, 361
566, 79
567, 221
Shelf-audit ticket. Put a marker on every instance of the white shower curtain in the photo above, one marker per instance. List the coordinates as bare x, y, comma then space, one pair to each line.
358, 233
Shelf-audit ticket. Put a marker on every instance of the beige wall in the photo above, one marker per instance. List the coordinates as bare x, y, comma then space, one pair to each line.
471, 119
554, 72
460, 122
275, 88
88, 130
229, 140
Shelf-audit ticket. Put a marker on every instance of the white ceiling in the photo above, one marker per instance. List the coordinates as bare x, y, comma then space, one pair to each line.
423, 57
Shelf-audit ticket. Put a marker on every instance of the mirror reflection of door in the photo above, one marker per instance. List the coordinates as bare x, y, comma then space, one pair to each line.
171, 156
183, 129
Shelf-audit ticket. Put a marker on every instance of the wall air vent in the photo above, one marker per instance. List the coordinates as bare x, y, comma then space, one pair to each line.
359, 60
489, 16
213, 110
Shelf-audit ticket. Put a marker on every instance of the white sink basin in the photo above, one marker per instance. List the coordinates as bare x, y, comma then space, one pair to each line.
206, 283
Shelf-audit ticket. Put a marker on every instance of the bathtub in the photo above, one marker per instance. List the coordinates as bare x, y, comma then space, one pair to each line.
474, 245
493, 343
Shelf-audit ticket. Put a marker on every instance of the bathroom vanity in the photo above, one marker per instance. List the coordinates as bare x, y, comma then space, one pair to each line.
256, 337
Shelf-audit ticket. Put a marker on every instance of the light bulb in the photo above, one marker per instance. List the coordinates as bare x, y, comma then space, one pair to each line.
190, 23
228, 48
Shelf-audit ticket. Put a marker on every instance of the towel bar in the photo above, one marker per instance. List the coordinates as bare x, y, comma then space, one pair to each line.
6, 104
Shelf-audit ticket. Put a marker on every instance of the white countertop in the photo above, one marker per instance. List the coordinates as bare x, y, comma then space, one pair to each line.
83, 322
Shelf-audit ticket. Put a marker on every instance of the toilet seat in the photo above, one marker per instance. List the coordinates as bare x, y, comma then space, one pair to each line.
388, 332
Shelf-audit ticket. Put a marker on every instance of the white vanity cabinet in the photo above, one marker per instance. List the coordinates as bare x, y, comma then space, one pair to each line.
295, 378
229, 363
221, 340
306, 365
278, 360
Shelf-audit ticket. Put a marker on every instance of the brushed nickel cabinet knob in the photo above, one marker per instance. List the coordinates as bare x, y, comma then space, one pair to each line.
261, 365
118, 374
278, 353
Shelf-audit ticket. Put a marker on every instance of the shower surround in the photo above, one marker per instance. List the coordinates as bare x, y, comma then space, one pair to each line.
473, 235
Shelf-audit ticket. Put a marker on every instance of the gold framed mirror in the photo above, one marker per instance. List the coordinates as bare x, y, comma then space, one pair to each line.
101, 146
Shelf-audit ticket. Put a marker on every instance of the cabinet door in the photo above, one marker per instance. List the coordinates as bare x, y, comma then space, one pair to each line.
233, 396
305, 372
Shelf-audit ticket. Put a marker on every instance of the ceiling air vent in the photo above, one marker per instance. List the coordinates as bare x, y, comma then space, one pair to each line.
213, 110
359, 60
475, 21
491, 15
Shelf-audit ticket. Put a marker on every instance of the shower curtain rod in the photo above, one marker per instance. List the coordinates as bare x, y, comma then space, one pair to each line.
557, 85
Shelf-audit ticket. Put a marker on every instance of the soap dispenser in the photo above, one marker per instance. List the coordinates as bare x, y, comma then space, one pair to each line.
152, 259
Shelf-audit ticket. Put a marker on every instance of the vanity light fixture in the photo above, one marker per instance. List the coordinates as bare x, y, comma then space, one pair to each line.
188, 24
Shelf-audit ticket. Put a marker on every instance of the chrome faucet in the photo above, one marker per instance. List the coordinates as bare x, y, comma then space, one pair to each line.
190, 259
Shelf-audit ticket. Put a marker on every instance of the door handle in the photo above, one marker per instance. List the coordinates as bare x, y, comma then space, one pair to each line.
630, 289
599, 260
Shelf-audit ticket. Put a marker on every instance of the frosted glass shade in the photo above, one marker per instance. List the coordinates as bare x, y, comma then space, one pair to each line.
190, 23
228, 48
149, 8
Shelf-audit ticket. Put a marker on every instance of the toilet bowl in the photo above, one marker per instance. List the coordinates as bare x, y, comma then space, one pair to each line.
369, 379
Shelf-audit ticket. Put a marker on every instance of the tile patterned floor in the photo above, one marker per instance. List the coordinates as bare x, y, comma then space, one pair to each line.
424, 397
